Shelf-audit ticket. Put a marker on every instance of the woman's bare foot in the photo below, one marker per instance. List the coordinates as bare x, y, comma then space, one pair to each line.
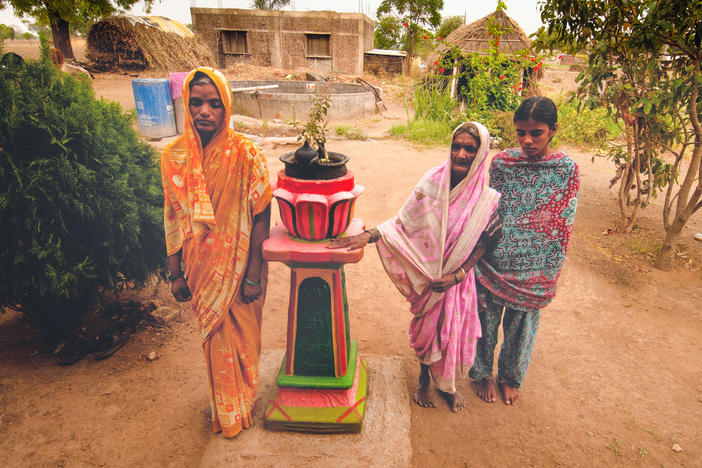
487, 390
510, 395
455, 400
422, 396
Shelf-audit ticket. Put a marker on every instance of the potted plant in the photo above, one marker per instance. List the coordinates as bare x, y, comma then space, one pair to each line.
316, 194
312, 160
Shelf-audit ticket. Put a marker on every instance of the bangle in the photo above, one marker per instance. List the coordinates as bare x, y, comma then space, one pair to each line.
252, 283
374, 234
172, 278
455, 275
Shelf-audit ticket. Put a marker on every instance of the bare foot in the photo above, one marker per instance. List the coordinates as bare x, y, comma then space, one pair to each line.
510, 395
422, 396
455, 400
487, 390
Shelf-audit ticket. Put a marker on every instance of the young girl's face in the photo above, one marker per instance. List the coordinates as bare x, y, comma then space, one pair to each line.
534, 137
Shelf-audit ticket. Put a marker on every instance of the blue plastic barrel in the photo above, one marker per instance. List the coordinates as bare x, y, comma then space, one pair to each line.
154, 107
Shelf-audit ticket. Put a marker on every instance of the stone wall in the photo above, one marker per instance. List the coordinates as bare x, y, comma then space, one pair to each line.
389, 64
282, 38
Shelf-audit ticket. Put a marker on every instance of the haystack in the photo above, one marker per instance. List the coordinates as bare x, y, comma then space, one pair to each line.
474, 38
134, 43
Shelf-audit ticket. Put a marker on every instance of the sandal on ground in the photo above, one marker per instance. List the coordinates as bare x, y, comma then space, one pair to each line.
110, 346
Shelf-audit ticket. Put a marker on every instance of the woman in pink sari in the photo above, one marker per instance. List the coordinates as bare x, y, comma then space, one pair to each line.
429, 250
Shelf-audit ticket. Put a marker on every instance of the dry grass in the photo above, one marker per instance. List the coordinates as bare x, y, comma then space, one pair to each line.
117, 44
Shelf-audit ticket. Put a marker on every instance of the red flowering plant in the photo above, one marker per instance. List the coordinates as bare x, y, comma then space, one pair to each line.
487, 84
490, 82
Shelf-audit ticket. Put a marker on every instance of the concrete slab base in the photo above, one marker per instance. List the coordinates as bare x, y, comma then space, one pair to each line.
384, 441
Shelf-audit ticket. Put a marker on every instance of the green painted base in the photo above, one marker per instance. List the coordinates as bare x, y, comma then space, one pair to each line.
325, 420
314, 381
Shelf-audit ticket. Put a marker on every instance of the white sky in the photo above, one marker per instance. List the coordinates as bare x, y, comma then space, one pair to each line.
525, 12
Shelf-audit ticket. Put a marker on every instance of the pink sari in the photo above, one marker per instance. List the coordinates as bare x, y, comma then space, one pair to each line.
434, 234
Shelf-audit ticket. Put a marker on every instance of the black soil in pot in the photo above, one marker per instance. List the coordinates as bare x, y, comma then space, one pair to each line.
316, 169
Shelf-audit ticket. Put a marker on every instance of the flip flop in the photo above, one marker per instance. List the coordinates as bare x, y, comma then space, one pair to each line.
112, 345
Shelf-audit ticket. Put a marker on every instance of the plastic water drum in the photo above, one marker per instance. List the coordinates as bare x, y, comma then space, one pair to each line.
154, 107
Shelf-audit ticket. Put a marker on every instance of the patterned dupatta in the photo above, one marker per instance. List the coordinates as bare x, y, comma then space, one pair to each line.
211, 199
537, 209
420, 244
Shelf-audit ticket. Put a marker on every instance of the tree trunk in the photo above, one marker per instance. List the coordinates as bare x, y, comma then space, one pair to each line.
60, 33
664, 258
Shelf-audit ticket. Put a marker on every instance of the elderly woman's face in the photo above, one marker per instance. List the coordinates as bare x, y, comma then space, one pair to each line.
206, 107
463, 151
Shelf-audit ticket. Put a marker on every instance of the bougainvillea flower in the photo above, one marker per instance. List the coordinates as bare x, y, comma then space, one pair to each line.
441, 37
425, 37
502, 77
520, 88
441, 70
497, 42
532, 59
436, 62
404, 24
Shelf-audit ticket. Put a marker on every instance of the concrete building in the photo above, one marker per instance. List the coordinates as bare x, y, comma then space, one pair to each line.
320, 40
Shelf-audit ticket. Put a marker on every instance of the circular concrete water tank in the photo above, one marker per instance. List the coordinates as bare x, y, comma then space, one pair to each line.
291, 100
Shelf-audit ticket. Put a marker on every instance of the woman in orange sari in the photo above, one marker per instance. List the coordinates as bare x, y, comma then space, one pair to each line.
216, 216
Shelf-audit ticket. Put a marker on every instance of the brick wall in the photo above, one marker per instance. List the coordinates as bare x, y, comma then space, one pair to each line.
280, 38
379, 64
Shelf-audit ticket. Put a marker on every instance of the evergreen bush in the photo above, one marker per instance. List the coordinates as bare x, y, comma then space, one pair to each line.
80, 198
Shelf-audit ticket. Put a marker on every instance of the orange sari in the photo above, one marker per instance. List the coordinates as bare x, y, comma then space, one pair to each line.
211, 199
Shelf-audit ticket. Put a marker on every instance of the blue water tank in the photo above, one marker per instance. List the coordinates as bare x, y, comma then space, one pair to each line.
154, 107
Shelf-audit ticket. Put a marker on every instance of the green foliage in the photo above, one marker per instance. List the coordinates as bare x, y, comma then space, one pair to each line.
583, 126
315, 129
269, 4
6, 32
448, 25
27, 35
488, 87
425, 132
432, 101
644, 67
351, 133
388, 33
80, 197
416, 15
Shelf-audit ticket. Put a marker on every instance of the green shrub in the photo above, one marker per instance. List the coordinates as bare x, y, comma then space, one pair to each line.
432, 101
425, 132
80, 198
579, 125
352, 133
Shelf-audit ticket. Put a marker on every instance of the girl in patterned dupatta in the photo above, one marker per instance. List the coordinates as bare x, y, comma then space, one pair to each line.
216, 216
429, 250
539, 188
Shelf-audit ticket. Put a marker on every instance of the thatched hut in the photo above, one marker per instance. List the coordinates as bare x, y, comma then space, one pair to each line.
135, 43
474, 38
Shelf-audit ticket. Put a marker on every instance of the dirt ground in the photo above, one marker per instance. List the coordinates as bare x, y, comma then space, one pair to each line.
615, 378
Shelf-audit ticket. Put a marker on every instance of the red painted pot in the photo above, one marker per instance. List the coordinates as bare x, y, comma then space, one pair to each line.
316, 209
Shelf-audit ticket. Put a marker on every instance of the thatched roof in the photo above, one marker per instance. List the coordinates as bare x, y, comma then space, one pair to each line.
474, 39
131, 43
